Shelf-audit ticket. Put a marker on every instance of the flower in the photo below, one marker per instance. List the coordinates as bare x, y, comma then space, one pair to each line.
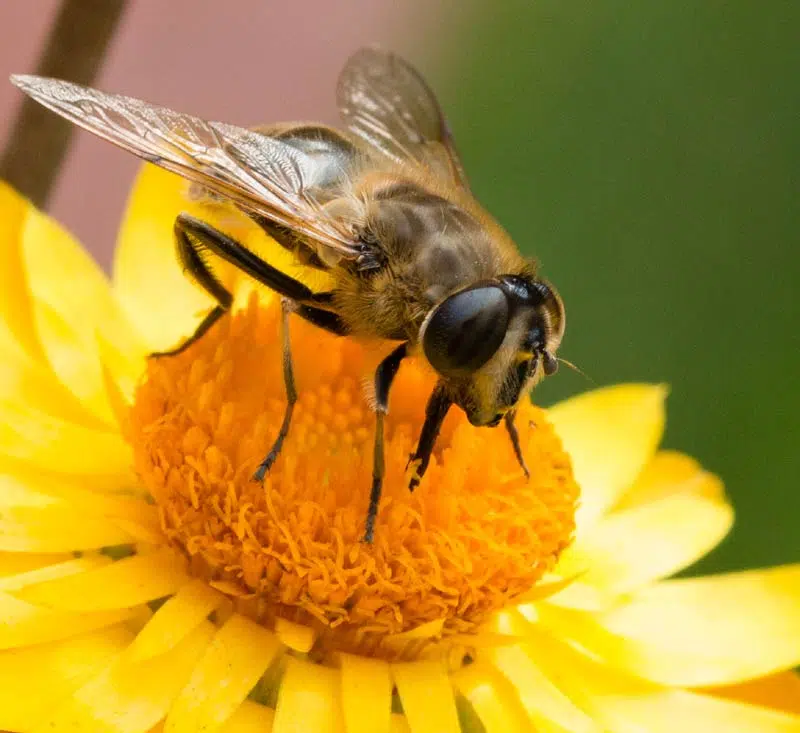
145, 581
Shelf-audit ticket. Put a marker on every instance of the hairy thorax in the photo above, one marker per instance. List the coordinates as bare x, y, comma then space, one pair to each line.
431, 247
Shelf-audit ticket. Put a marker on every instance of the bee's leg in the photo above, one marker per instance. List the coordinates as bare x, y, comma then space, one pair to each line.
284, 236
197, 271
221, 245
327, 320
513, 433
384, 375
195, 236
435, 411
291, 393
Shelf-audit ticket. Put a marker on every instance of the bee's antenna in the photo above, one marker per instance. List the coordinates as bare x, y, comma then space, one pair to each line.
576, 369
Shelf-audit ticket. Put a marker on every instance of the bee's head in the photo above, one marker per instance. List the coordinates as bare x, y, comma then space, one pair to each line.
492, 341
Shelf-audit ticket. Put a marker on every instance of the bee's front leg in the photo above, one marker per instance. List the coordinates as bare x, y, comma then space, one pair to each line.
435, 412
384, 375
513, 433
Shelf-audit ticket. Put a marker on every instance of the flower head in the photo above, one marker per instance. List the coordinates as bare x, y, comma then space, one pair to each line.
474, 535
144, 578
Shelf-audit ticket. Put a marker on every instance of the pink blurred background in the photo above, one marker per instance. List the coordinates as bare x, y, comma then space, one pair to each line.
244, 61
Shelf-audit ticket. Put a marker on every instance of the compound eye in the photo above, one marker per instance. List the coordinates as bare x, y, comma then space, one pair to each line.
466, 329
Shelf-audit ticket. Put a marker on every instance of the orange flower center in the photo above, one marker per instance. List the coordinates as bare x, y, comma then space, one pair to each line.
474, 535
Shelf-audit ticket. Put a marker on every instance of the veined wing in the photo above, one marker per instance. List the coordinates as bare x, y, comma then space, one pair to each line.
386, 102
257, 172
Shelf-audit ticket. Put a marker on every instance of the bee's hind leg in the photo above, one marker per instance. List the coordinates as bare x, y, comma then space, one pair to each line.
197, 270
197, 238
287, 306
513, 433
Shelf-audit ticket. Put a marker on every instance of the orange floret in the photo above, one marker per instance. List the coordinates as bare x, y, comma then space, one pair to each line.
473, 536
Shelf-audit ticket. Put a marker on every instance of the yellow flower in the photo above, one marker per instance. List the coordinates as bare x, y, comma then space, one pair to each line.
146, 582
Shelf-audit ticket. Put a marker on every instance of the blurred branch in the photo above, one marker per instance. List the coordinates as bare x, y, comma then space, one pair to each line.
74, 50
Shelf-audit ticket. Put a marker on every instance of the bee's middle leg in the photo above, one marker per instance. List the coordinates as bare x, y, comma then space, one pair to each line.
287, 306
384, 376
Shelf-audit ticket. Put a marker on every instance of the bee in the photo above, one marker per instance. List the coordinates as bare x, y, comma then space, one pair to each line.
384, 207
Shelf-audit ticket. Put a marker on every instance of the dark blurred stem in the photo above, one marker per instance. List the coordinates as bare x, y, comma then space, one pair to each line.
74, 50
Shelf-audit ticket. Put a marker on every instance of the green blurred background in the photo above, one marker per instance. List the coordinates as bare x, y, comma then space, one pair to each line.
647, 154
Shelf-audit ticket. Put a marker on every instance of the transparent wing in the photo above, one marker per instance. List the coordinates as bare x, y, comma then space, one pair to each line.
258, 172
386, 102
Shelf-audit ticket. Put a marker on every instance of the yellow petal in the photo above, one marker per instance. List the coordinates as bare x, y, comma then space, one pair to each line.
175, 619
492, 698
86, 368
542, 700
57, 528
238, 655
249, 717
366, 694
548, 586
129, 697
398, 642
128, 582
148, 280
46, 441
712, 631
668, 472
627, 549
625, 704
482, 640
296, 636
72, 302
400, 724
15, 303
13, 563
17, 493
27, 383
24, 623
508, 622
121, 373
583, 596
29, 488
777, 691
12, 583
76, 365
611, 434
140, 618
34, 678
308, 700
426, 693
124, 501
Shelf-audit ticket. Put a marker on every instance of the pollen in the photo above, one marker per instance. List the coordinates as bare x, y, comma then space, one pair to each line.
473, 536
